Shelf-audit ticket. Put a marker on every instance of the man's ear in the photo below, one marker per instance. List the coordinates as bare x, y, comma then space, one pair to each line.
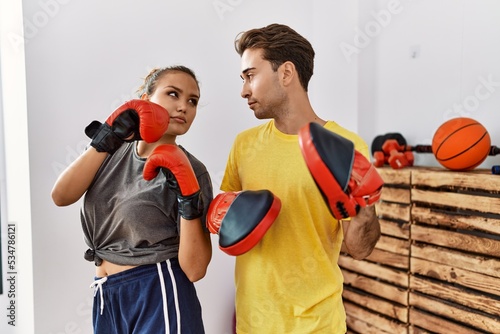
288, 73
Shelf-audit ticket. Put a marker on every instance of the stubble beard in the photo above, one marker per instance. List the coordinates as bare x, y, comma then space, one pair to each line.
277, 108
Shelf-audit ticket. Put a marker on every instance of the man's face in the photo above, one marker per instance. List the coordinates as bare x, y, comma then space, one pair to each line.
261, 85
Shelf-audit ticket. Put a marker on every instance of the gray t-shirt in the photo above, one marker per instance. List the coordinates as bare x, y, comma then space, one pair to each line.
127, 220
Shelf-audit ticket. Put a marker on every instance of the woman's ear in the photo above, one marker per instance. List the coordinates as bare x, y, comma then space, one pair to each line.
145, 96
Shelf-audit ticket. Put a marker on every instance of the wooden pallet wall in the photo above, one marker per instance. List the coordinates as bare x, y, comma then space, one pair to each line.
455, 253
376, 289
436, 267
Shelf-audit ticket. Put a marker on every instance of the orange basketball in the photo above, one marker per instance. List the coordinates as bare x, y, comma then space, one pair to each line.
461, 143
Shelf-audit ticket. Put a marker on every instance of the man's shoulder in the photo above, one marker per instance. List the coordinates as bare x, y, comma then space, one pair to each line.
337, 128
358, 141
253, 131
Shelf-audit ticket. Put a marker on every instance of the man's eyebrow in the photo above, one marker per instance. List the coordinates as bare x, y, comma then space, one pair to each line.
245, 71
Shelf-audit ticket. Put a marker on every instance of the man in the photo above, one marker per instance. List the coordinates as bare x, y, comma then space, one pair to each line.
290, 281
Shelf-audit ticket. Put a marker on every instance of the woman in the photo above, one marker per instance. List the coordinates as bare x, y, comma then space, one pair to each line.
146, 236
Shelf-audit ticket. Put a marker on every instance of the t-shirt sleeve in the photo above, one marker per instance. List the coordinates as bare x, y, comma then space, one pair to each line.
207, 196
361, 146
231, 180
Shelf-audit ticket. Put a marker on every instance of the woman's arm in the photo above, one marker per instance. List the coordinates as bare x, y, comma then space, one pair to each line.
195, 249
77, 177
361, 233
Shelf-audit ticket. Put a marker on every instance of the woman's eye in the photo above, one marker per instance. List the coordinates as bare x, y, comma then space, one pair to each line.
194, 102
173, 93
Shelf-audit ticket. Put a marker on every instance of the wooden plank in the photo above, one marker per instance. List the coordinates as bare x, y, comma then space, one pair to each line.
454, 243
393, 211
400, 177
394, 245
395, 229
391, 310
380, 324
459, 296
389, 259
453, 220
416, 330
479, 264
457, 200
450, 274
396, 195
376, 287
358, 326
476, 179
373, 270
466, 316
456, 240
435, 324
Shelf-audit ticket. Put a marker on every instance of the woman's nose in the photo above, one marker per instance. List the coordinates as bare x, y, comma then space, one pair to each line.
181, 107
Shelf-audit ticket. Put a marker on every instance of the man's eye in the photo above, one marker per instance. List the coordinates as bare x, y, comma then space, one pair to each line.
247, 77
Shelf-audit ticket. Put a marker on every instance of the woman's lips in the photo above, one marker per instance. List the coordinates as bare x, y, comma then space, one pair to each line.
178, 120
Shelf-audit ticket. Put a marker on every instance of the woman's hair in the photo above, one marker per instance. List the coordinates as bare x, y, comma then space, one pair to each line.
150, 81
280, 43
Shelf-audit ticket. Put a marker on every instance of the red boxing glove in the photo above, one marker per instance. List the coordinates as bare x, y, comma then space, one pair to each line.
242, 218
181, 179
345, 178
134, 120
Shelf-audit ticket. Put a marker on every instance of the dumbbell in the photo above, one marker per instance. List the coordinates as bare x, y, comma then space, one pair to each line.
393, 150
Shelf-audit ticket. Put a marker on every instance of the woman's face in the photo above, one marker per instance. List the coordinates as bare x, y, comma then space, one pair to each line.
177, 92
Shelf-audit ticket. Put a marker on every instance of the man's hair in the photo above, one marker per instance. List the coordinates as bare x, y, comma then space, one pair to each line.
280, 43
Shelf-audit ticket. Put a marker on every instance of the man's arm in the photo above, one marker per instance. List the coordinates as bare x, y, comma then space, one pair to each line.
361, 233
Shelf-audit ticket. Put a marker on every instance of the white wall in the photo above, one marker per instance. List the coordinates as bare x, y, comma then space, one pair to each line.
83, 58
428, 65
15, 215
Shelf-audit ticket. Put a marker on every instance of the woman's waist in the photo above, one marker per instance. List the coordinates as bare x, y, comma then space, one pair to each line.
107, 268
122, 257
115, 274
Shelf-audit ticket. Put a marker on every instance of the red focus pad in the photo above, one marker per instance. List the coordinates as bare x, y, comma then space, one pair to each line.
153, 118
242, 218
345, 178
365, 184
218, 209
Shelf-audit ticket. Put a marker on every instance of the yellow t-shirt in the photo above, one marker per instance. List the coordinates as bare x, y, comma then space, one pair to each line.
290, 281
